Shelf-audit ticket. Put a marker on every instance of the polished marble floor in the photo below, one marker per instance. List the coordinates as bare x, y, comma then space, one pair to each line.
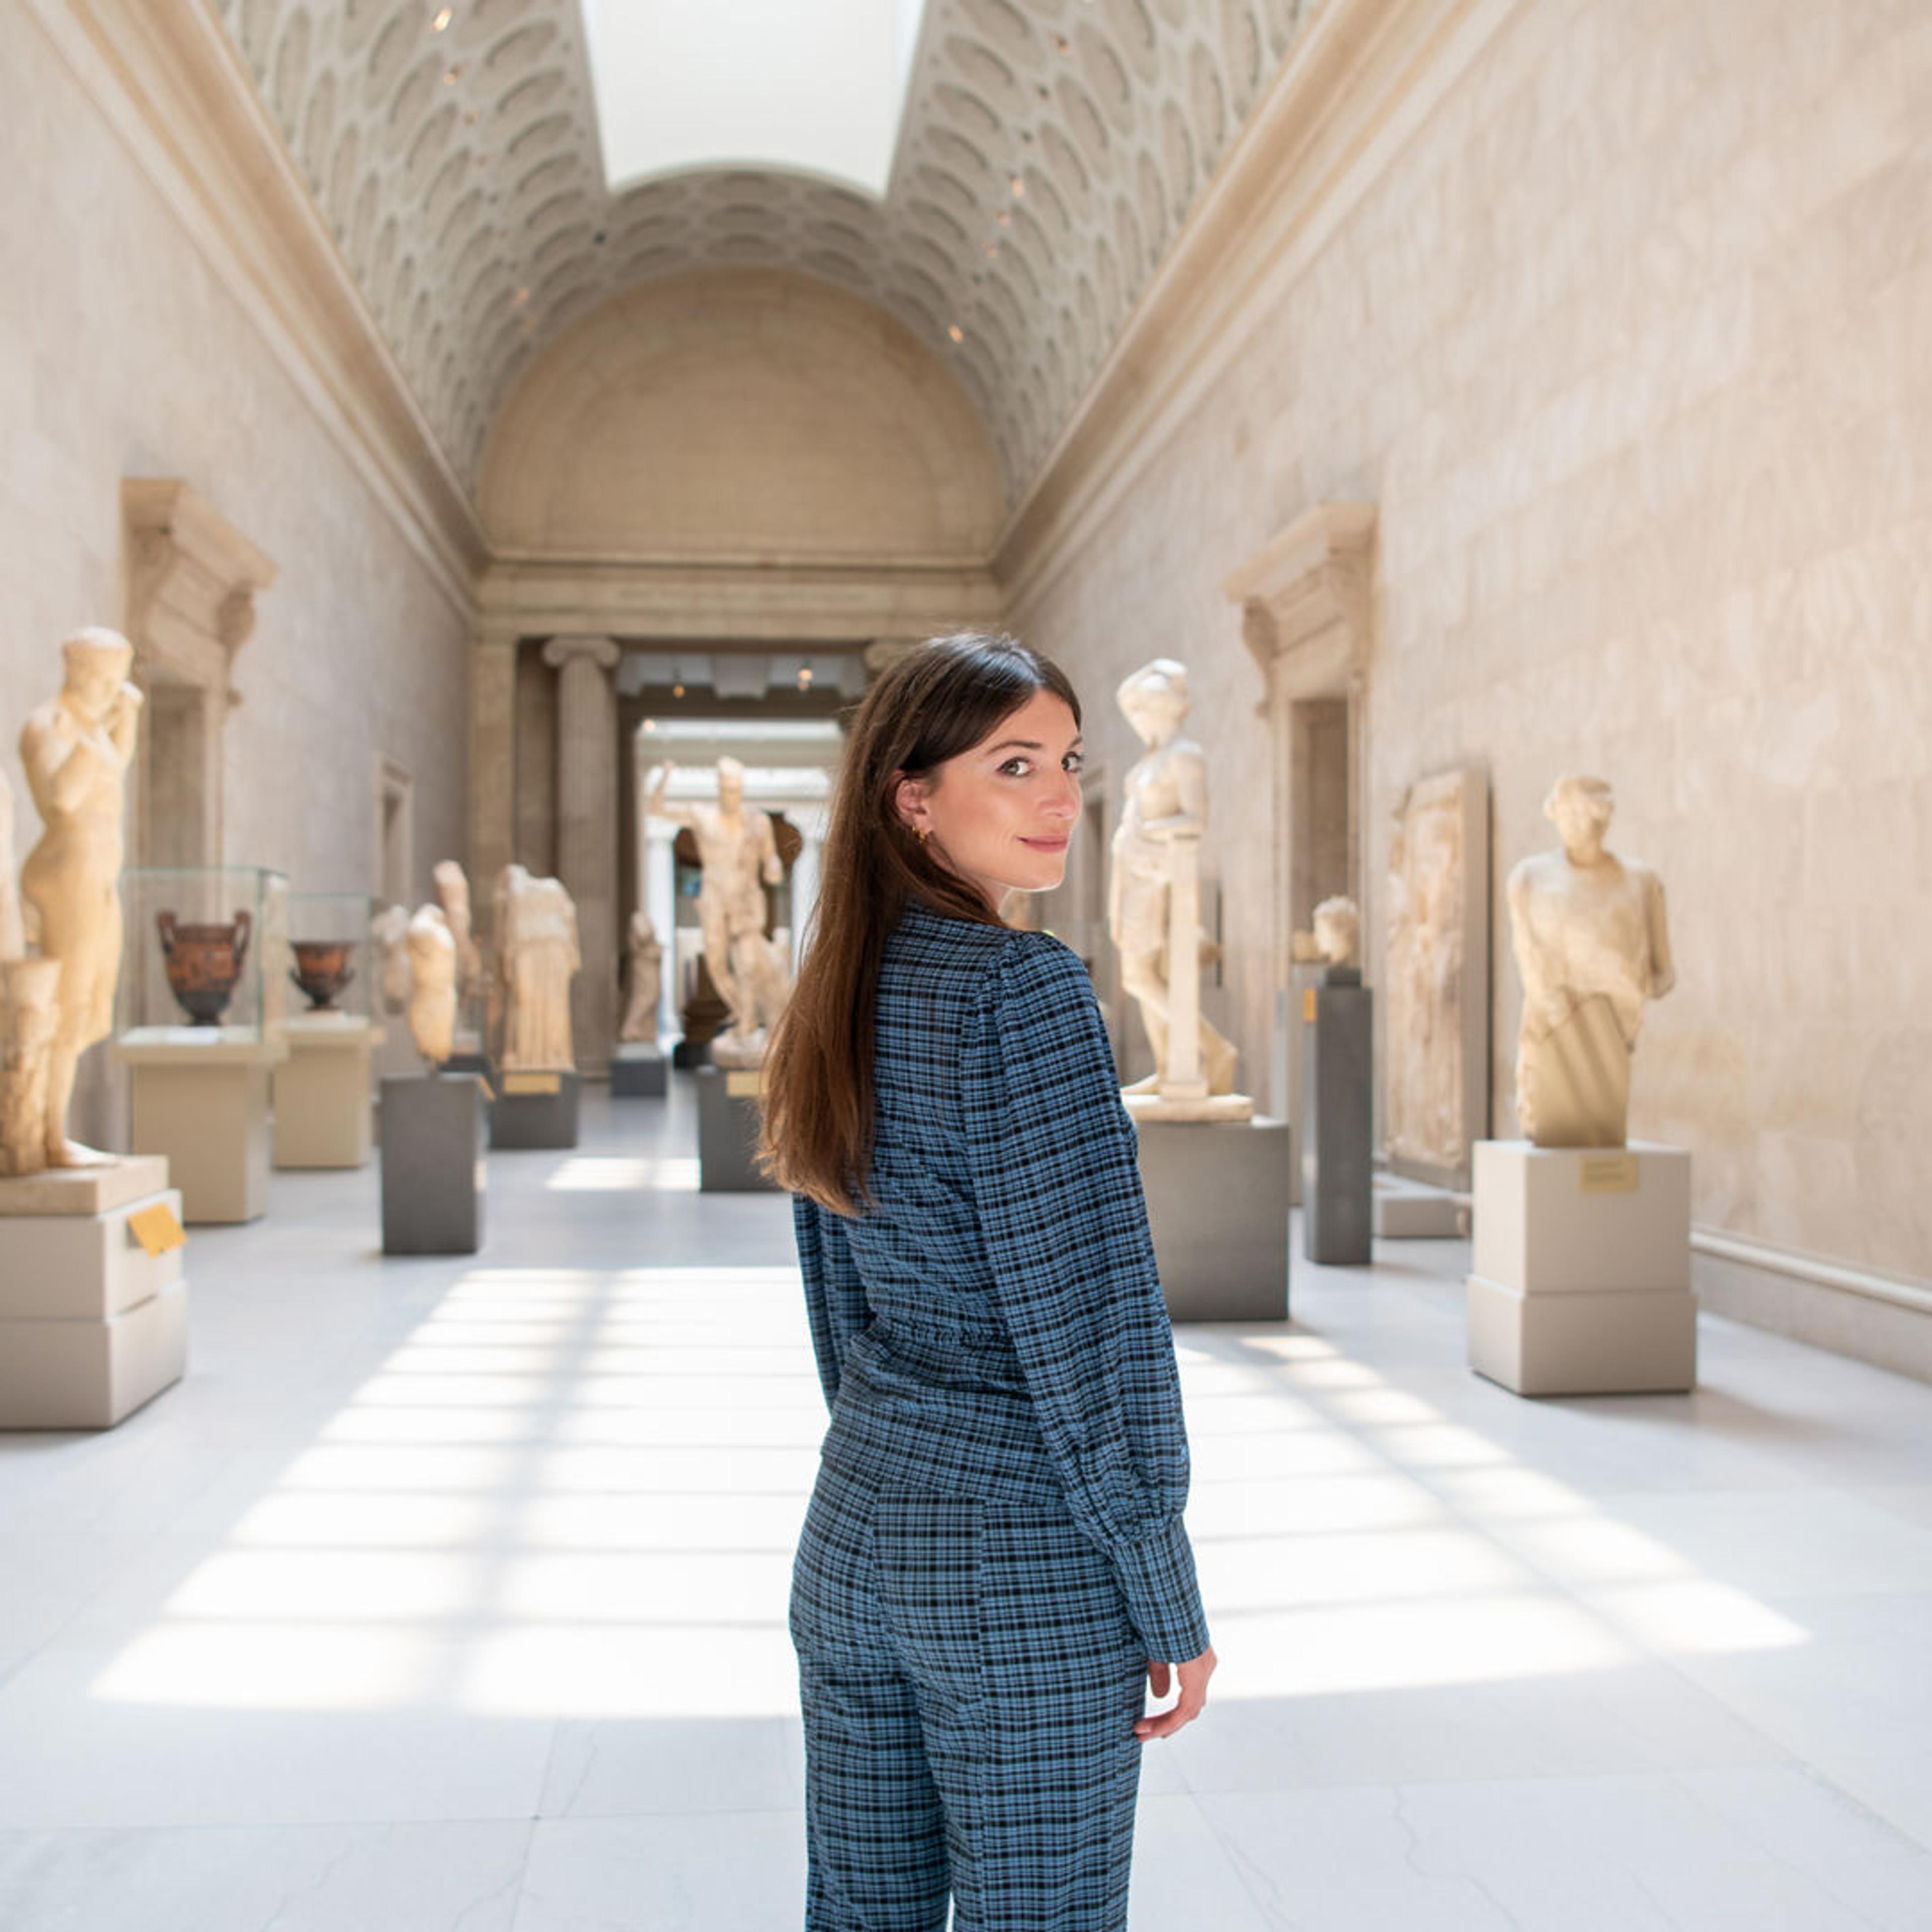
451, 1595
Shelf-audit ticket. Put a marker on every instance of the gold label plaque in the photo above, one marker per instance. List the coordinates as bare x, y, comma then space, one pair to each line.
157, 1229
1607, 1174
1308, 1005
744, 1083
533, 1083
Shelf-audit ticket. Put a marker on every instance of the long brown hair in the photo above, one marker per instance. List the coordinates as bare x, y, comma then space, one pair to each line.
938, 700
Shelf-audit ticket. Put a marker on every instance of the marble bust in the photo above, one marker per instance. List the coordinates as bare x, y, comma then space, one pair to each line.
430, 948
1155, 871
77, 749
389, 929
1335, 936
738, 850
1592, 944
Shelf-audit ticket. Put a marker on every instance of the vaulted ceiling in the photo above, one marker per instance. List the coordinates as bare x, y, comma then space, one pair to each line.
1050, 150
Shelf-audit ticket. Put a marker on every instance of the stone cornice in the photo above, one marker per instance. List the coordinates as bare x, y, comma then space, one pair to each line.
806, 602
192, 581
1323, 128
171, 83
1310, 586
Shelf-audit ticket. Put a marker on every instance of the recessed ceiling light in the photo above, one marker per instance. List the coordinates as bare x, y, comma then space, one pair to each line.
1018, 187
444, 16
455, 74
957, 334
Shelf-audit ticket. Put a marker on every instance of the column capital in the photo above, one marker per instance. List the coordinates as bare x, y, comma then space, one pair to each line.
604, 653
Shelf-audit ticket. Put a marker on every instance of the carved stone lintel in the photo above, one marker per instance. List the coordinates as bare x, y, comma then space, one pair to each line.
1310, 583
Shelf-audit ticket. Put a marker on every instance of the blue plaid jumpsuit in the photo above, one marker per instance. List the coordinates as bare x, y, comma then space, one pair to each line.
994, 1550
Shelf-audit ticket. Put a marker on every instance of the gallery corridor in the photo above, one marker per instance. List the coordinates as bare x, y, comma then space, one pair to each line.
452, 1593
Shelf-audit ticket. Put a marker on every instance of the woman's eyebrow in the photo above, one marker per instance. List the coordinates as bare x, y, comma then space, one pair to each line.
1025, 744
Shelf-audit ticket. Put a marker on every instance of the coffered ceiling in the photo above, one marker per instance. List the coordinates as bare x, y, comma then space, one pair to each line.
1051, 149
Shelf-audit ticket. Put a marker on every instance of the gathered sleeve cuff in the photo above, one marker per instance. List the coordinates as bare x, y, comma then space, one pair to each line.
835, 1298
1056, 1172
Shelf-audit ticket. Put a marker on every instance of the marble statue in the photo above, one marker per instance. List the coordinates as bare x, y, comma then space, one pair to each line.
1154, 899
646, 952
29, 1015
430, 948
738, 850
538, 954
1336, 936
77, 749
1592, 944
12, 939
1434, 875
389, 930
452, 894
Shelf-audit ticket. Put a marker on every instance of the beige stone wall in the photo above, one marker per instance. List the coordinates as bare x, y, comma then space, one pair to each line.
123, 352
741, 412
1628, 344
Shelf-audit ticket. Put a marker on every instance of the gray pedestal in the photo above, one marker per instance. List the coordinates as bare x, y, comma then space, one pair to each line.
1337, 1126
536, 1110
640, 1073
1217, 1205
433, 1129
727, 1131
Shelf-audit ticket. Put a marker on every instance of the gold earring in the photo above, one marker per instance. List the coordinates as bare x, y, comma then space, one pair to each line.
925, 833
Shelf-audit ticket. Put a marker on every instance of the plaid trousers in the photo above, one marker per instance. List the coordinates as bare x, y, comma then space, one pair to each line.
969, 1680
995, 1548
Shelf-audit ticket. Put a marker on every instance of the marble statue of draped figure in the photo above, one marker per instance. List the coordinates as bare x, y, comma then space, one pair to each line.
1593, 944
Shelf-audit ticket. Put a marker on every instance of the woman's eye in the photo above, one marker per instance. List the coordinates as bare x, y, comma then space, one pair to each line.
1074, 761
1017, 768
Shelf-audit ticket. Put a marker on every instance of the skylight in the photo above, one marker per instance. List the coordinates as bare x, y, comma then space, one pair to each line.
818, 86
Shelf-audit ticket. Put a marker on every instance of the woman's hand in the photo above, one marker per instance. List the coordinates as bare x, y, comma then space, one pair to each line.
1194, 1676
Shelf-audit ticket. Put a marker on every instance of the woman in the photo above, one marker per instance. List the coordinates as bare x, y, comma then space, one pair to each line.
994, 1566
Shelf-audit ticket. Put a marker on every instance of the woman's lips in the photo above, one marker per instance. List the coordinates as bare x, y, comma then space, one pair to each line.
1058, 843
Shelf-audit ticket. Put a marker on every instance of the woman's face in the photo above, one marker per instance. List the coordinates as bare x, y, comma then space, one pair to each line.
1002, 815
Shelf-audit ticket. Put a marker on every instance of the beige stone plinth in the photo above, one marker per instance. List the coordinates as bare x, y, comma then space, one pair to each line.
1581, 1281
92, 1326
205, 1105
324, 1102
85, 1190
1224, 1107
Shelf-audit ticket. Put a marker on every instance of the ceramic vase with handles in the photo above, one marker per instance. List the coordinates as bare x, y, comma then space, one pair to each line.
204, 963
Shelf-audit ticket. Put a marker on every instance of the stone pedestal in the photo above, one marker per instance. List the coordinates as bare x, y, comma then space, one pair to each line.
1413, 1210
323, 1099
1337, 1123
200, 1100
433, 1129
1217, 1205
536, 1110
1580, 1282
640, 1072
92, 1326
727, 1130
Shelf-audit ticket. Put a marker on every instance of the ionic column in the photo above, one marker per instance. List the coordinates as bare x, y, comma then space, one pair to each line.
586, 831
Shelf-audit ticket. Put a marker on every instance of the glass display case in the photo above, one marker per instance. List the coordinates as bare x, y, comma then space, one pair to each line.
202, 947
333, 970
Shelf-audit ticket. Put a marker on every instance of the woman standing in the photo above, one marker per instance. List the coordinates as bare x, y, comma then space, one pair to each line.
993, 1567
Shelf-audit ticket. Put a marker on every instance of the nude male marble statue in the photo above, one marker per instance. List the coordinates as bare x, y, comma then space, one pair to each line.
452, 894
1593, 944
1166, 814
389, 929
77, 749
12, 939
738, 852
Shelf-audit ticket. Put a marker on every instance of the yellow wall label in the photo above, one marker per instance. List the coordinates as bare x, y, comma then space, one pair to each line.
744, 1083
1607, 1174
533, 1083
1308, 1004
156, 1228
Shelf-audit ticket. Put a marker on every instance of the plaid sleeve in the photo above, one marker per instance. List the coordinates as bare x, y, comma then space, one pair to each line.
834, 1300
1057, 1179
